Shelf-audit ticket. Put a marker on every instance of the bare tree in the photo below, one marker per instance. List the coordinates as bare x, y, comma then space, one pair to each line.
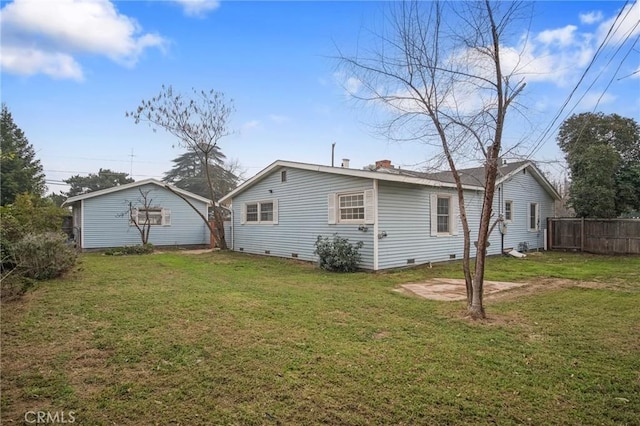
437, 70
142, 205
199, 122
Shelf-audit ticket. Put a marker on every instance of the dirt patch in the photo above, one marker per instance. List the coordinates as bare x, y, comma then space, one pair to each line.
445, 289
453, 289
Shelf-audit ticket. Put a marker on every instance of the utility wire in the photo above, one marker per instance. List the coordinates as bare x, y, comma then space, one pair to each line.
605, 40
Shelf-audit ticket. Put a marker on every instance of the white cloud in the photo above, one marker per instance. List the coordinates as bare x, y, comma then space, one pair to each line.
593, 100
591, 17
51, 32
561, 36
198, 8
278, 119
352, 85
625, 28
32, 61
253, 124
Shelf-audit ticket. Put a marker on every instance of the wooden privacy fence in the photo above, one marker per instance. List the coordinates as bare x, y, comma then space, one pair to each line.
603, 236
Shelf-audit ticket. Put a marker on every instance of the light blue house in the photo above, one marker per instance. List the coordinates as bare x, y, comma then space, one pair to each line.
103, 219
402, 217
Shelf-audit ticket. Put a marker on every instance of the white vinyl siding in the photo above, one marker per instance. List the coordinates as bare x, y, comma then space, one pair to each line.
307, 209
107, 220
263, 212
523, 190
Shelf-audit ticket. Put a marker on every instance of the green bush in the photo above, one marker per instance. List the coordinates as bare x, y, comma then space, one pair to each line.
43, 256
126, 250
338, 254
6, 254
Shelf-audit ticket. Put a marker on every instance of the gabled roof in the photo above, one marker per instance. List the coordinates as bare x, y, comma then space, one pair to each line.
475, 176
472, 179
152, 181
367, 174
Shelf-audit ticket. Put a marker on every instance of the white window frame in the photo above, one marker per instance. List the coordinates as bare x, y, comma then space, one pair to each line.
165, 216
453, 215
339, 209
259, 221
510, 203
536, 217
334, 211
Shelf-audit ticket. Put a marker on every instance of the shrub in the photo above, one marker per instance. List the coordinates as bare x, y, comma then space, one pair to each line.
126, 250
338, 254
13, 286
43, 256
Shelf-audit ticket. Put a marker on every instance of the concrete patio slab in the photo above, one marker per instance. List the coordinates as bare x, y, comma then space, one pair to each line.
454, 289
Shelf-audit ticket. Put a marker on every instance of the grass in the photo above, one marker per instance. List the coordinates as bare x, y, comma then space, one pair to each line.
226, 338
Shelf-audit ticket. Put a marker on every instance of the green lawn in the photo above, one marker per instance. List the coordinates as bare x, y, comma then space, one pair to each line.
226, 338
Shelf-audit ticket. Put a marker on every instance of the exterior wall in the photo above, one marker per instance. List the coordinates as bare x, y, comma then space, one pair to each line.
404, 215
106, 220
522, 190
302, 215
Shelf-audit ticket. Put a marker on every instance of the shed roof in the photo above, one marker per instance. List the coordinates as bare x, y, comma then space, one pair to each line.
151, 181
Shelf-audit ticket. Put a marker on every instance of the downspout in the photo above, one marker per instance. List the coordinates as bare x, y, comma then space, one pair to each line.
500, 209
376, 240
233, 225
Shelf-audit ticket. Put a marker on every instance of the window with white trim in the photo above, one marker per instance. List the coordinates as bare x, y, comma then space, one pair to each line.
154, 216
252, 212
444, 215
508, 210
260, 212
534, 217
351, 207
266, 212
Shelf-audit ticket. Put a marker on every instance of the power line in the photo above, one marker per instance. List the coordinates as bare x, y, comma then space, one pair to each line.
603, 43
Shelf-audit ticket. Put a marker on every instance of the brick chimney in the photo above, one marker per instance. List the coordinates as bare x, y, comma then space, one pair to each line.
383, 164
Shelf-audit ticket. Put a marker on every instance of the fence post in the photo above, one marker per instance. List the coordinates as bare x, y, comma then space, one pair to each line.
549, 234
581, 234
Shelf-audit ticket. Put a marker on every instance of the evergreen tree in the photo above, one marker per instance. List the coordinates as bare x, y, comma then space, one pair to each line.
104, 179
20, 170
188, 173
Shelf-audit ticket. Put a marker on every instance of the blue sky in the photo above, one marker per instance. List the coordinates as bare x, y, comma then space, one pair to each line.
72, 68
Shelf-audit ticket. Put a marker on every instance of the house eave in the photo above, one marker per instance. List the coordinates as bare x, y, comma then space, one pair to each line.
344, 172
71, 200
538, 176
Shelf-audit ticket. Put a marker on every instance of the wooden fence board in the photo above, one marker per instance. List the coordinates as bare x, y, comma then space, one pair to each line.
603, 236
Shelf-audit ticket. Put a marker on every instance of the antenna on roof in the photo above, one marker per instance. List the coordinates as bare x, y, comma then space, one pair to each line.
131, 168
333, 151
